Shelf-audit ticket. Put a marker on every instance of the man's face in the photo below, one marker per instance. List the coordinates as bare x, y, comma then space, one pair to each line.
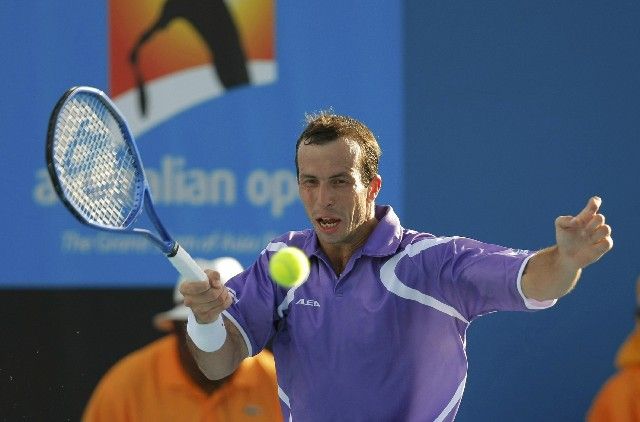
334, 197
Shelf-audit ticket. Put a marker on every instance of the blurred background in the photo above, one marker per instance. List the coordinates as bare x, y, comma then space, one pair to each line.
494, 117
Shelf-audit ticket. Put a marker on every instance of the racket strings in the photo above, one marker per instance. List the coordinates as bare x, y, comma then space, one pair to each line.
96, 165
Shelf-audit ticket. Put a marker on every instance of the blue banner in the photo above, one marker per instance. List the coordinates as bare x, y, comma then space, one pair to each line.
215, 113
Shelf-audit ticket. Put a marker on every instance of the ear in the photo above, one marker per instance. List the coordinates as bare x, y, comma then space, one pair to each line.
374, 187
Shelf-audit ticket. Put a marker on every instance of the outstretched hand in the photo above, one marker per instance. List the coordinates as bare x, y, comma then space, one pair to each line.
207, 299
583, 239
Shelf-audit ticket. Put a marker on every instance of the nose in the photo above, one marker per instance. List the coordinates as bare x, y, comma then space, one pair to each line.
325, 195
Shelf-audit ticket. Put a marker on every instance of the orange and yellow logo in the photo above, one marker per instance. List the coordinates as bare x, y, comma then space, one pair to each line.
193, 49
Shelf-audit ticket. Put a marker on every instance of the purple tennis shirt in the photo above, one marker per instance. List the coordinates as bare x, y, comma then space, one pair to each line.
384, 340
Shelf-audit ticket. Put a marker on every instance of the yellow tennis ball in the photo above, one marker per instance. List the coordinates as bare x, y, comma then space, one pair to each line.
289, 267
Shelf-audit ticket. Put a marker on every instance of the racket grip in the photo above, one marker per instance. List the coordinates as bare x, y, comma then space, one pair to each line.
186, 266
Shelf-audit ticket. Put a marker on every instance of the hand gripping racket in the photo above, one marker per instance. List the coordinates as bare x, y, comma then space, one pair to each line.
96, 171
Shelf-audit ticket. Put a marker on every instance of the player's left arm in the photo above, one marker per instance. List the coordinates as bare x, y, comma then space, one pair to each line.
580, 241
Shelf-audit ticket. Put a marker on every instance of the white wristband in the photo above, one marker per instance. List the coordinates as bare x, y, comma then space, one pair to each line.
207, 337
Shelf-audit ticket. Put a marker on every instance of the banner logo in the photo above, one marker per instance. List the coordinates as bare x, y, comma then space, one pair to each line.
169, 55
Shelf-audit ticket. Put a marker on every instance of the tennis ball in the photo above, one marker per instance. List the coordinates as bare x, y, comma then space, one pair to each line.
289, 267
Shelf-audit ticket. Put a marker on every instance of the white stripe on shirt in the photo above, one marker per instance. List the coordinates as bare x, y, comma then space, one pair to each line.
395, 286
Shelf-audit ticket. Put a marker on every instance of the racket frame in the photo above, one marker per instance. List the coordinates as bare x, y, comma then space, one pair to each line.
143, 195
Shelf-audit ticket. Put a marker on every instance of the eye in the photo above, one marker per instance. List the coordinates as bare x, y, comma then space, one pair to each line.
339, 182
309, 183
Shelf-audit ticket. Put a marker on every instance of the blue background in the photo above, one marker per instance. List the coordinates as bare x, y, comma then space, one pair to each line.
248, 129
495, 117
517, 112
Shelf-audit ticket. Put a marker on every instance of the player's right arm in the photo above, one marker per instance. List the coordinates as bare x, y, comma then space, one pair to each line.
207, 300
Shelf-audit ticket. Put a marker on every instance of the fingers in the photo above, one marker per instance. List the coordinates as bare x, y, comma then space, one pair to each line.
585, 238
566, 222
194, 287
584, 217
599, 235
207, 299
601, 231
595, 222
592, 207
604, 245
208, 311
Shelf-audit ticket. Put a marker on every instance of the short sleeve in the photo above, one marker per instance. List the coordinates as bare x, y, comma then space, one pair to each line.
482, 277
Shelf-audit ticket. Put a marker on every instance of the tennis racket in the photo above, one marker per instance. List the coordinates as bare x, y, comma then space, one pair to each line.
97, 172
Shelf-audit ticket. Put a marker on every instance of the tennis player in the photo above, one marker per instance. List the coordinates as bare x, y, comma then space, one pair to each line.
378, 331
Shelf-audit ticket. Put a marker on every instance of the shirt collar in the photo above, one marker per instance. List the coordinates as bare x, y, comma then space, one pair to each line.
385, 238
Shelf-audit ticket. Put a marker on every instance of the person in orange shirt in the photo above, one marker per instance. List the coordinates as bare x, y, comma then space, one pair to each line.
619, 398
161, 381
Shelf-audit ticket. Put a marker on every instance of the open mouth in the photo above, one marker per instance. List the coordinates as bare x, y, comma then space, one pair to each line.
327, 223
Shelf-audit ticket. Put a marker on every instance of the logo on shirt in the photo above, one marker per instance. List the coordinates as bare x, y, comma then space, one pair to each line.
252, 410
308, 302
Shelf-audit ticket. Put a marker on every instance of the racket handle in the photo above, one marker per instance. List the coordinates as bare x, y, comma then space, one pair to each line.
186, 266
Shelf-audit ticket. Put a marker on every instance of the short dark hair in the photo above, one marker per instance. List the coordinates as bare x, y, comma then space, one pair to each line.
326, 127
